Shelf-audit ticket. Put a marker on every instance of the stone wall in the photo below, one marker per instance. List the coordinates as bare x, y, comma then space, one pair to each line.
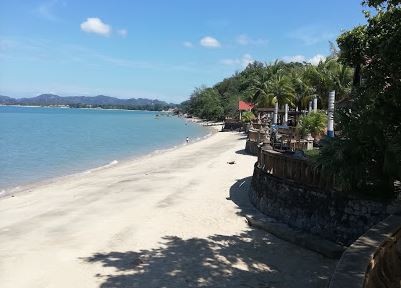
332, 216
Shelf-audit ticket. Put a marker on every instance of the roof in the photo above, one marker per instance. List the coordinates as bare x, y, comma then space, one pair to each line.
245, 106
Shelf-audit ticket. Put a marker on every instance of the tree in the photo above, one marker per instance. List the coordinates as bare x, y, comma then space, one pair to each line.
327, 76
264, 84
205, 103
369, 148
304, 92
260, 90
281, 90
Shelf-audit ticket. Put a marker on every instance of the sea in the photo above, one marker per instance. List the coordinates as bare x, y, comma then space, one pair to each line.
40, 143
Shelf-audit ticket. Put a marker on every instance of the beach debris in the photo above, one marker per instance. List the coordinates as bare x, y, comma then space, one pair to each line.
231, 162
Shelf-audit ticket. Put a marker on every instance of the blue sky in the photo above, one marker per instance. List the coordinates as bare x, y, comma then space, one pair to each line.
156, 49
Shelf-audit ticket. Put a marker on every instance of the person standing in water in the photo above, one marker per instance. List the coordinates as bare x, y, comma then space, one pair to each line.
187, 140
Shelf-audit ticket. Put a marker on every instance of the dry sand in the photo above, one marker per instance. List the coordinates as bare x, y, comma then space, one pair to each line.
169, 220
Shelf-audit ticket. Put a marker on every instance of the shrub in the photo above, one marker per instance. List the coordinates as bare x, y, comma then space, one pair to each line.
247, 116
314, 123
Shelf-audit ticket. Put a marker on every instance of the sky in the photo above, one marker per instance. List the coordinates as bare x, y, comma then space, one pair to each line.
156, 48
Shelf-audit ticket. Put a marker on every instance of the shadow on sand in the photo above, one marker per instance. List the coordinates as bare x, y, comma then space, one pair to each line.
242, 152
250, 259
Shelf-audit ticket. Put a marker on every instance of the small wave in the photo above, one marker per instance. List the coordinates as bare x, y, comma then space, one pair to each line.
112, 163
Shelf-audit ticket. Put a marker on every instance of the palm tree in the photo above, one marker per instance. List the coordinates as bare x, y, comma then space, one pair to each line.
303, 91
260, 90
342, 79
280, 89
329, 75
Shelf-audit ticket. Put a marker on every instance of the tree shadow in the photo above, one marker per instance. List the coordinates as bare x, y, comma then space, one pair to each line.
252, 258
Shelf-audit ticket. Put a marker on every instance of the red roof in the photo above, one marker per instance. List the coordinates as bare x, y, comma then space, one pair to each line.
245, 106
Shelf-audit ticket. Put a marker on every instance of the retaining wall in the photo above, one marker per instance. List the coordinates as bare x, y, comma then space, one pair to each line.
328, 214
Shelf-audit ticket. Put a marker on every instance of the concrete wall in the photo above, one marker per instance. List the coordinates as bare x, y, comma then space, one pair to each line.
374, 260
334, 217
251, 147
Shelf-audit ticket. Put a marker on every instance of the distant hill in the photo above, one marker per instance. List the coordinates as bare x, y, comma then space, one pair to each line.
7, 100
89, 101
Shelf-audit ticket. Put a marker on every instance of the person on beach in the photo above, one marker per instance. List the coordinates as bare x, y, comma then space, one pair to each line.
187, 140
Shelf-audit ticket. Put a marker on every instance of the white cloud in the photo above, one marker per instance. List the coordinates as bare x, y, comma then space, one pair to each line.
244, 61
96, 25
122, 32
210, 42
188, 44
316, 59
300, 58
244, 40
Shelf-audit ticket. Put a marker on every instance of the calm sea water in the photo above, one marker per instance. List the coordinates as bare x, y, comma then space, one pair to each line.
41, 143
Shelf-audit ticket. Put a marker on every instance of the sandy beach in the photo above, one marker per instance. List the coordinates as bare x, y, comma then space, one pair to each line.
169, 220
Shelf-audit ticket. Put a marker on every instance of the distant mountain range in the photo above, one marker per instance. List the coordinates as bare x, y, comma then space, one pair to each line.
86, 101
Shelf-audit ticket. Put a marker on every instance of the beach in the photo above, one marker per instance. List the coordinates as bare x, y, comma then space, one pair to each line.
171, 219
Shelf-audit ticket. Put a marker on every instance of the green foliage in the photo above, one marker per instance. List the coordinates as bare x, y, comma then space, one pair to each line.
247, 116
205, 103
265, 84
327, 76
352, 44
314, 123
382, 3
367, 156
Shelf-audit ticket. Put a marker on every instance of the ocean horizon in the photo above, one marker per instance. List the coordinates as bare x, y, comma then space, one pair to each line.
40, 143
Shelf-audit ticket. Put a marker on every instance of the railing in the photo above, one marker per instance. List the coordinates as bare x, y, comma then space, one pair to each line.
291, 144
294, 169
256, 136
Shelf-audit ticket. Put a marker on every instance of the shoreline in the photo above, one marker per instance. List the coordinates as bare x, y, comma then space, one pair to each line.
139, 223
87, 108
7, 192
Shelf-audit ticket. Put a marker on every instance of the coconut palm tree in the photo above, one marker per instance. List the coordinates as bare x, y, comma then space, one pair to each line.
280, 89
260, 90
327, 76
303, 91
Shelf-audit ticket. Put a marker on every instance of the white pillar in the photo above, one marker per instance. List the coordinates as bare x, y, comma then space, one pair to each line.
275, 113
330, 114
315, 104
285, 114
310, 106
